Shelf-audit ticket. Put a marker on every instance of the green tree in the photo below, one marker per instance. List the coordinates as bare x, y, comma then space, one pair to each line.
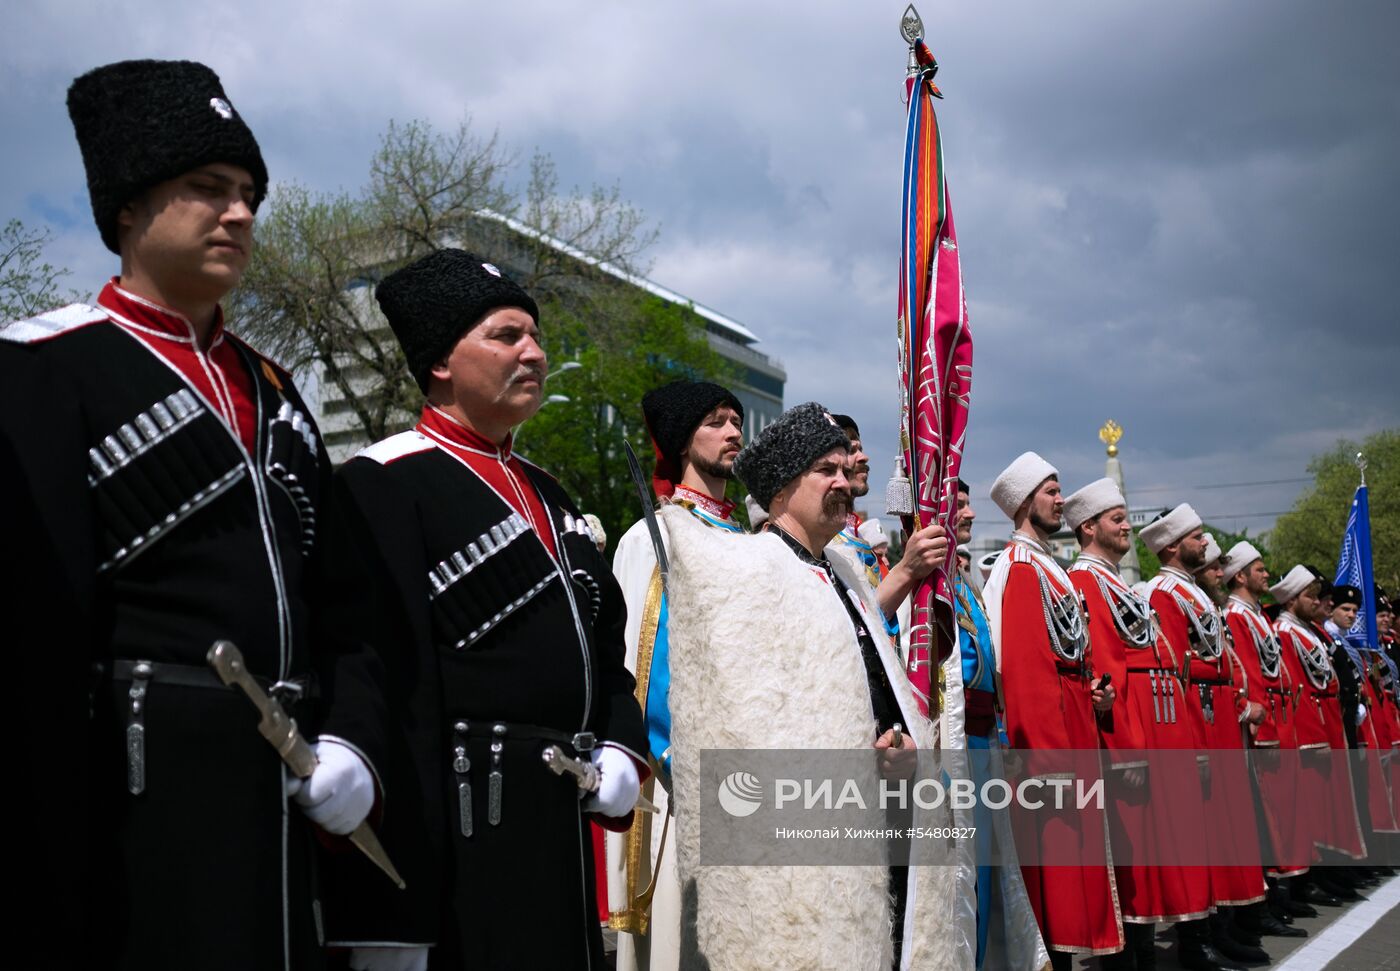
622, 356
28, 285
1311, 532
307, 298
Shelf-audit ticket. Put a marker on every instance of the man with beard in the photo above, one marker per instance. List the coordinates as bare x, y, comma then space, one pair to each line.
177, 483
696, 431
1273, 740
500, 626
858, 477
1209, 576
1215, 708
896, 583
1386, 679
972, 720
1052, 694
1326, 804
775, 646
1150, 806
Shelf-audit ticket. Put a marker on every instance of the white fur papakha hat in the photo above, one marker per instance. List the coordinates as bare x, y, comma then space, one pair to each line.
872, 531
1170, 528
1019, 480
1098, 496
1212, 551
1238, 557
1295, 582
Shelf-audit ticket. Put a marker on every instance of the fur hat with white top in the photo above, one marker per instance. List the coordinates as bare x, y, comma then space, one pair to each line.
1238, 557
1019, 480
1097, 497
1170, 527
1295, 582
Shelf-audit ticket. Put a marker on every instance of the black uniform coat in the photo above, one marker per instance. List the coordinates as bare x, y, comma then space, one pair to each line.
500, 633
194, 856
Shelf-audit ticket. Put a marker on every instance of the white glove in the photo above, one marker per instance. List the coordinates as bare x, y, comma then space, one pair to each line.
1360, 712
340, 793
619, 787
388, 959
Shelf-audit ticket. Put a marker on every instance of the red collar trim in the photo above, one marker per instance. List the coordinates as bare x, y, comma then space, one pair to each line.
720, 508
152, 318
442, 427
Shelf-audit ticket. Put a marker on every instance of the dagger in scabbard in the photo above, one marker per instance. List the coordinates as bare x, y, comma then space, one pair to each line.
281, 732
585, 774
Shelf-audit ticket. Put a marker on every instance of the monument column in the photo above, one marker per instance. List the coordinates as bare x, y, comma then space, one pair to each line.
1109, 434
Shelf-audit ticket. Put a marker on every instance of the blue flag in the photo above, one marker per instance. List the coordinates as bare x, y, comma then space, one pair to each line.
1355, 570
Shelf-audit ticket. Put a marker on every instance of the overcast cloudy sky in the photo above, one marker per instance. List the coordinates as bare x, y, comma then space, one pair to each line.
1179, 215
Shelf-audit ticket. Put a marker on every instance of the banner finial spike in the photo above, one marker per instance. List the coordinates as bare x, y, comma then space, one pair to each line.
911, 28
1361, 465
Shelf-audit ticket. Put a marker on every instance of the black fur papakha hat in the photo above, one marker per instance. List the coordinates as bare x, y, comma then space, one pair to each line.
140, 123
1342, 594
786, 449
673, 412
435, 300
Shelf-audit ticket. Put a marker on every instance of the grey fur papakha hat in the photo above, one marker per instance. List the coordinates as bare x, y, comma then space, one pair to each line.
786, 449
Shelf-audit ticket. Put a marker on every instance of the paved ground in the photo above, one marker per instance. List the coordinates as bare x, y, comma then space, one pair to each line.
1364, 936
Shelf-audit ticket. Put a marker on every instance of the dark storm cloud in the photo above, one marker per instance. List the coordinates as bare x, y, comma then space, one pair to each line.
1177, 215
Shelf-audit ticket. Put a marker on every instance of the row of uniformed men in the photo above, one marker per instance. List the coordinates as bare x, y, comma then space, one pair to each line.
1191, 676
435, 615
1169, 671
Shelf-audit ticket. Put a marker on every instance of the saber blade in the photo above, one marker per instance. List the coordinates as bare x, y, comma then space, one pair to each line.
648, 513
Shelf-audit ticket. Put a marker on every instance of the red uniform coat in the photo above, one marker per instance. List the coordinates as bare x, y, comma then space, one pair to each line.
1049, 707
1373, 735
1325, 800
1215, 702
1147, 718
1269, 685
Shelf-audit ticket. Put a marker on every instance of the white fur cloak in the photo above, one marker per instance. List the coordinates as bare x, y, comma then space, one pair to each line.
764, 656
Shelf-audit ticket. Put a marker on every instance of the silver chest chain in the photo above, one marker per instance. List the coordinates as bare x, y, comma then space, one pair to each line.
1064, 620
1131, 614
1205, 631
1313, 654
1268, 649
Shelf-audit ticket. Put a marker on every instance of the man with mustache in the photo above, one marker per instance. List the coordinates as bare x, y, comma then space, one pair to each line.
1150, 808
922, 550
696, 431
1338, 604
777, 644
500, 627
1215, 708
1328, 807
1209, 576
1001, 923
1052, 695
180, 479
1269, 686
858, 478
